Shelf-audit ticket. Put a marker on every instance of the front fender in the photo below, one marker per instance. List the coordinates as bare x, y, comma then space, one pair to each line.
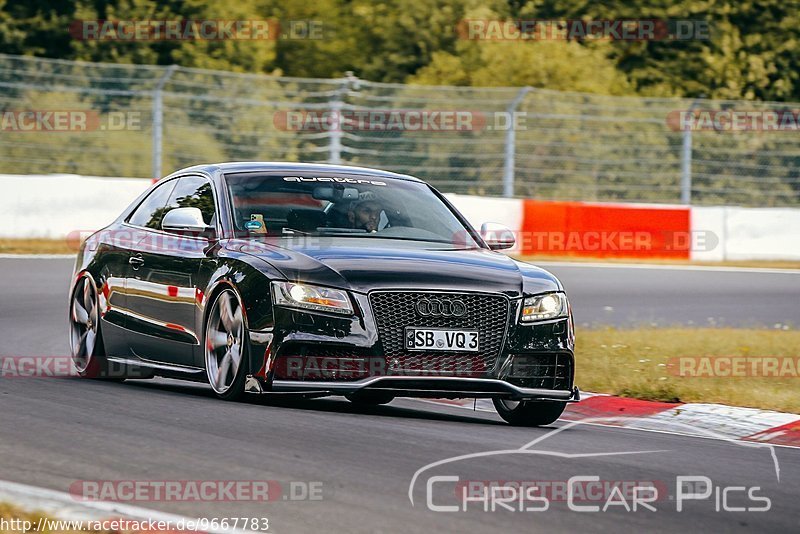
250, 278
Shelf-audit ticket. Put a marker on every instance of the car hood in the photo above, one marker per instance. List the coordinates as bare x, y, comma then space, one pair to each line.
387, 264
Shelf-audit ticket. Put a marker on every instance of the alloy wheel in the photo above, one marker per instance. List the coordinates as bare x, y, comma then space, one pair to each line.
224, 341
83, 323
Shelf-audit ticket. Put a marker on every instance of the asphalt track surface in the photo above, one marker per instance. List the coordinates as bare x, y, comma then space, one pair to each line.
679, 296
55, 432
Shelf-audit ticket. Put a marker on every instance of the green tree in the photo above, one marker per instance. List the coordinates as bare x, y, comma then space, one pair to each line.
752, 53
563, 66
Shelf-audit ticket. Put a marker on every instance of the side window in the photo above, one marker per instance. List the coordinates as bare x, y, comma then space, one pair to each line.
151, 210
194, 192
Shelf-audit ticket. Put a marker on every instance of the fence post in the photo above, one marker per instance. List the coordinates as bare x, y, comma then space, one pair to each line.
335, 139
686, 162
511, 140
158, 120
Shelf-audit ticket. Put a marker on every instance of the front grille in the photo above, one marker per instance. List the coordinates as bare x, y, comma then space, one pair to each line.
395, 310
544, 371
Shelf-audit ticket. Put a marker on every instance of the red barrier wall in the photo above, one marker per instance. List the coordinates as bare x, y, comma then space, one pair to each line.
605, 231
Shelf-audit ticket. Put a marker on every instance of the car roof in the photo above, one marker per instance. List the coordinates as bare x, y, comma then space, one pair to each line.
292, 167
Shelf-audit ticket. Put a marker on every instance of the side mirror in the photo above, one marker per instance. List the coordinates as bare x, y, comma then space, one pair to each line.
497, 236
186, 221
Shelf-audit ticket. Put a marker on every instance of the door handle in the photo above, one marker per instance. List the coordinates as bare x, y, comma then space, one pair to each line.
136, 261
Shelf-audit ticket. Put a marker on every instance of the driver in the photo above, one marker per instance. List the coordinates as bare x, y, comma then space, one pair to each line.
365, 213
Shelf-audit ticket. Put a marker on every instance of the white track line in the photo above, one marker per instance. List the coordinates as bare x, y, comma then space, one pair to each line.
681, 434
592, 265
63, 506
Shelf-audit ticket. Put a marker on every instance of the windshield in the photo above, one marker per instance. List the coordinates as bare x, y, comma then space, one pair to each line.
339, 206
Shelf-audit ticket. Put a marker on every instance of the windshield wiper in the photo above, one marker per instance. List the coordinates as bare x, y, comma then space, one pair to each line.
377, 235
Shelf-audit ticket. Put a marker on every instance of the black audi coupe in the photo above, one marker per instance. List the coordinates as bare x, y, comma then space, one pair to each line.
320, 280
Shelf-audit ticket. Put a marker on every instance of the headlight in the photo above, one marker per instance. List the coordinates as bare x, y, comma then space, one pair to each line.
544, 307
310, 297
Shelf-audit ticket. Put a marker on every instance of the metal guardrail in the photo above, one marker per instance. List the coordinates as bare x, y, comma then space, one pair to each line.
147, 121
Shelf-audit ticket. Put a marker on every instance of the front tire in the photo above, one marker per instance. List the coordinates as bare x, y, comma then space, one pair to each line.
529, 413
226, 346
85, 338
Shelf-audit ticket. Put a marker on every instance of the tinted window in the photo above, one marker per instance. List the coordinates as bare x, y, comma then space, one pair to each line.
343, 207
194, 192
151, 210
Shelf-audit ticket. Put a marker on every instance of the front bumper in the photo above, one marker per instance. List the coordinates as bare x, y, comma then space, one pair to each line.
432, 387
317, 355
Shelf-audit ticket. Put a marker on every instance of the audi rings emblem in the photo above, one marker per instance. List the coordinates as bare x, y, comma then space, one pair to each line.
441, 308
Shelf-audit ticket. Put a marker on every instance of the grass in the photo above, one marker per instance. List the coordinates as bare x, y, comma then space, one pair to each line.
10, 512
636, 363
764, 264
37, 246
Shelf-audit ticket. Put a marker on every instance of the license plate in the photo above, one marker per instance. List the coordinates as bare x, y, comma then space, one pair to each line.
441, 339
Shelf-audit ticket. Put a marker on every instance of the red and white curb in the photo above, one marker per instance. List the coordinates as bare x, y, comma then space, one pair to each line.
63, 506
731, 422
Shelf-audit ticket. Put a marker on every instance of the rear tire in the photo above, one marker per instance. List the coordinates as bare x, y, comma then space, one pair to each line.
529, 413
370, 398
